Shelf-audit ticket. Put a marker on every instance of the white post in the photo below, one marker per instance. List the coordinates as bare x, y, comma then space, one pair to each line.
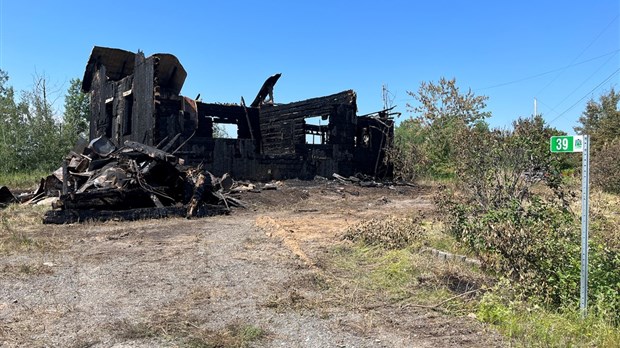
585, 207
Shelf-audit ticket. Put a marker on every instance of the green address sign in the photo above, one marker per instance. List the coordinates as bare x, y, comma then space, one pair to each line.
567, 143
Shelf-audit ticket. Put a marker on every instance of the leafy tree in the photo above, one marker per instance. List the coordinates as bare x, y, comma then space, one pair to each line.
406, 155
12, 127
32, 137
442, 102
43, 139
219, 131
442, 112
77, 110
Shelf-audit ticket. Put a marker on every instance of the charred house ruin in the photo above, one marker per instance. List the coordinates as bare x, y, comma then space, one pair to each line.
137, 98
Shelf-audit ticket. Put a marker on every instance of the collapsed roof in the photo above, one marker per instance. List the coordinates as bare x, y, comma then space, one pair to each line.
120, 64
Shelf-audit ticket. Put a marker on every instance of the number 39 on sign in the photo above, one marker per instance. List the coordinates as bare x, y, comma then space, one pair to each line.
567, 143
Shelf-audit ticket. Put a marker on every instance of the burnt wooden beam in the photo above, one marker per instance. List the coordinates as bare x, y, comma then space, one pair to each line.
153, 152
266, 90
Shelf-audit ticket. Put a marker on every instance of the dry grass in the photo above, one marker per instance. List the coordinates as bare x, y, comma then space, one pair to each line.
391, 232
189, 333
179, 323
26, 269
20, 230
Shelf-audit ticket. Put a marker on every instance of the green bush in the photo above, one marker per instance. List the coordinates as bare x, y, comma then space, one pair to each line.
513, 212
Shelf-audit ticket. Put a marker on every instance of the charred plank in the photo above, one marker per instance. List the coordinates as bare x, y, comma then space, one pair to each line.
153, 152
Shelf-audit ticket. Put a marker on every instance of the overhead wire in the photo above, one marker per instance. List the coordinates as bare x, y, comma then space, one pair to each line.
583, 83
581, 53
586, 95
548, 72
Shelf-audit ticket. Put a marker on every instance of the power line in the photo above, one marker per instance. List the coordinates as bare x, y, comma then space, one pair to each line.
583, 83
582, 52
548, 72
584, 97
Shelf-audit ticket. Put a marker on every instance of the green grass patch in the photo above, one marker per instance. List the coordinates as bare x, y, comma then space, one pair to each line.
22, 181
361, 274
528, 325
436, 238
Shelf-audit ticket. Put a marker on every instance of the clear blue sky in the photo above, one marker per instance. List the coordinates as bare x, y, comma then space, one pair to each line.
496, 48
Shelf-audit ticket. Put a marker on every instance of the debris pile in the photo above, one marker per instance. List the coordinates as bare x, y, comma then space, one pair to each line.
135, 181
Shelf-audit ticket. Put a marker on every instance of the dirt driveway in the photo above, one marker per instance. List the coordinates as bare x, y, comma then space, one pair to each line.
253, 278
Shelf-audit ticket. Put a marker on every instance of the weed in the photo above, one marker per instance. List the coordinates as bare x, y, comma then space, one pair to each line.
362, 275
530, 325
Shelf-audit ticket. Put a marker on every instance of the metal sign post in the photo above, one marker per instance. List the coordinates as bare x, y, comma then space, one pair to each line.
579, 143
585, 207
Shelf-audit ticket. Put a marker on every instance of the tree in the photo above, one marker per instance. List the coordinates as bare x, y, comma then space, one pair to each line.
44, 145
601, 120
12, 127
32, 137
442, 113
219, 131
77, 110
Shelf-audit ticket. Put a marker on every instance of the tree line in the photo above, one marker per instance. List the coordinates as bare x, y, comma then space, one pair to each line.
33, 136
433, 142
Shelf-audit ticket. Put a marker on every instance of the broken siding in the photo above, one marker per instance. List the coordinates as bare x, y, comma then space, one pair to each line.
143, 94
283, 126
102, 107
246, 119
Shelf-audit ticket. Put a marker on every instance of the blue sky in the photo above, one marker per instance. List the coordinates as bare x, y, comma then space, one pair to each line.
562, 53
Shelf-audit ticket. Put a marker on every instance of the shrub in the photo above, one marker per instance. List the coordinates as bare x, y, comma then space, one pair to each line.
513, 212
605, 167
390, 233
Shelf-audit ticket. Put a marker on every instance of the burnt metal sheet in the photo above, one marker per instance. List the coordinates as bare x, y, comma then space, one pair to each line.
102, 146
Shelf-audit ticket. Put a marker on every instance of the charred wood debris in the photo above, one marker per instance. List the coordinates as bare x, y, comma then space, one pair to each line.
99, 181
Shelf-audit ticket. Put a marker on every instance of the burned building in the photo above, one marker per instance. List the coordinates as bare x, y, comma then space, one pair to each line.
137, 98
